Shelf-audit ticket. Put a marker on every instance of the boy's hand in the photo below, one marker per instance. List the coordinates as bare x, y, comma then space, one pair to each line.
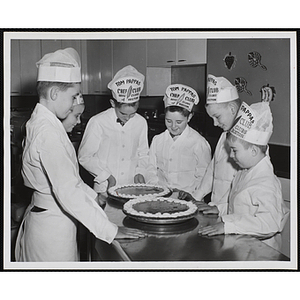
207, 209
215, 229
101, 200
111, 181
185, 196
139, 178
129, 233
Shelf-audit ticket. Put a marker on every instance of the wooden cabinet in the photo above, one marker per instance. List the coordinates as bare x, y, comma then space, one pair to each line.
15, 70
162, 53
25, 54
102, 59
130, 52
191, 51
99, 66
30, 51
48, 46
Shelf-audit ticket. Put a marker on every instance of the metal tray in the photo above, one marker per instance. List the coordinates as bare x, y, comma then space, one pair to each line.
162, 229
161, 221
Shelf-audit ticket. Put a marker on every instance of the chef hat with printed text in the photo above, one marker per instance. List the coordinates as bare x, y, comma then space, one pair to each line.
127, 85
254, 123
60, 66
220, 90
181, 95
78, 100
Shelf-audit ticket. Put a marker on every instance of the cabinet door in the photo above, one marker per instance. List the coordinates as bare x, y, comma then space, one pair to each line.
99, 66
50, 46
130, 52
161, 53
78, 45
15, 68
30, 51
191, 51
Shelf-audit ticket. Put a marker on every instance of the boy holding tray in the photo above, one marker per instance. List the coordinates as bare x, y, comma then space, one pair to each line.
114, 147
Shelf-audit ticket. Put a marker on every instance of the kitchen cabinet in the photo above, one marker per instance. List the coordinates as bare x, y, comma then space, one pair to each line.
99, 66
175, 52
102, 59
31, 53
15, 68
130, 52
191, 51
48, 46
161, 53
25, 54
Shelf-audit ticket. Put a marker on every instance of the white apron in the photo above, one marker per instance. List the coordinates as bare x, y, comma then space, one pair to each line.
48, 235
50, 168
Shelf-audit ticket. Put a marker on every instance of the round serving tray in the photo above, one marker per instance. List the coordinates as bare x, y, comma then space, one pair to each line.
162, 229
161, 221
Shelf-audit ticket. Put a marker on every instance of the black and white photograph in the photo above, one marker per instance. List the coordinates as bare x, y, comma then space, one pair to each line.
150, 150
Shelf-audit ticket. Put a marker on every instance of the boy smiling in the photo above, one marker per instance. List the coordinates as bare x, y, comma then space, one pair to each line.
179, 156
255, 205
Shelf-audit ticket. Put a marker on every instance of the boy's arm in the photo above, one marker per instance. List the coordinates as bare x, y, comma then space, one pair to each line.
268, 218
66, 186
205, 187
87, 154
143, 150
203, 156
152, 177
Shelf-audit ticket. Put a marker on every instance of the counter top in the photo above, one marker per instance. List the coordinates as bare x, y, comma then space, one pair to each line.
181, 242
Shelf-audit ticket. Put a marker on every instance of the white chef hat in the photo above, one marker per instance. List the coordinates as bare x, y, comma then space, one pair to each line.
78, 100
220, 90
127, 85
181, 95
254, 123
60, 66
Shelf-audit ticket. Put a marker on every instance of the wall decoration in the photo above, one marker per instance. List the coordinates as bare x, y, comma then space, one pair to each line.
230, 61
241, 85
254, 59
267, 93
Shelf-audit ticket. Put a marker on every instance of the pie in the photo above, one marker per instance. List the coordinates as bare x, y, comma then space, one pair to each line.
131, 191
159, 208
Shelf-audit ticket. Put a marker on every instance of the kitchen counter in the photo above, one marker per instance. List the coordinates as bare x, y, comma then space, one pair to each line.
181, 242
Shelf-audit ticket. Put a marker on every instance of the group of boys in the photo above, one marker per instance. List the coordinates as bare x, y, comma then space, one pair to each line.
245, 192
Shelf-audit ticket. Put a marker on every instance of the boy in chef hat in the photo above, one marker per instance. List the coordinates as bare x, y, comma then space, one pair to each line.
256, 205
222, 105
179, 156
50, 168
114, 148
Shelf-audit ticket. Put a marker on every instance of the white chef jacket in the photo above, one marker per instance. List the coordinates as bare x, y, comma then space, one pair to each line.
179, 163
107, 148
218, 177
51, 169
256, 205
